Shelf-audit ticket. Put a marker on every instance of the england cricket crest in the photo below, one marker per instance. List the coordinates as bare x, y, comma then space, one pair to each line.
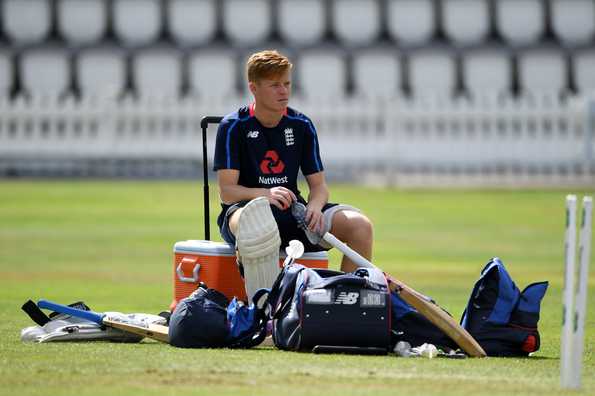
289, 139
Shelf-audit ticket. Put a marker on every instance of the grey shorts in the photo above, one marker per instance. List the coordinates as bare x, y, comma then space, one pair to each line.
288, 227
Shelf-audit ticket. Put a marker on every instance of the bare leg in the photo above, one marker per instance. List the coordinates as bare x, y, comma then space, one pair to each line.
234, 221
356, 230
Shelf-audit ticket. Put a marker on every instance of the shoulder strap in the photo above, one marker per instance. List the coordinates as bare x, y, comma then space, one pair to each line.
283, 288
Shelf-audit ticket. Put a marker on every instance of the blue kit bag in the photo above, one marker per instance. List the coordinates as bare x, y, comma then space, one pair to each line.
502, 318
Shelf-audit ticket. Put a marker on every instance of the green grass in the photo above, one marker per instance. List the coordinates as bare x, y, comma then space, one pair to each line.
110, 244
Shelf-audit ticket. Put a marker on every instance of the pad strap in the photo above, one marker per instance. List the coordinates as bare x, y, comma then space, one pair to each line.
35, 313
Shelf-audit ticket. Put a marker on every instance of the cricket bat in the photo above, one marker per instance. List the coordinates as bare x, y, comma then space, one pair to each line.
153, 331
421, 303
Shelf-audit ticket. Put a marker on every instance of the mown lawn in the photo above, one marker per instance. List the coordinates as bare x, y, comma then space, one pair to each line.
109, 243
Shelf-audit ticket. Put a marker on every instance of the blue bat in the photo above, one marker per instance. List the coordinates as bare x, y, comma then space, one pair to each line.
154, 331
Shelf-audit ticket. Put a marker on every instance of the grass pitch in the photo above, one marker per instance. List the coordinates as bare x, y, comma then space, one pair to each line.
110, 244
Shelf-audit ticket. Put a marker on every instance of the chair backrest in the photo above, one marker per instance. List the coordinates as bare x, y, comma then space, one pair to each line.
302, 22
82, 22
487, 72
192, 22
542, 71
583, 65
411, 22
573, 21
247, 22
157, 72
137, 22
432, 73
321, 74
6, 73
101, 71
212, 74
377, 73
45, 71
466, 21
520, 22
356, 22
26, 21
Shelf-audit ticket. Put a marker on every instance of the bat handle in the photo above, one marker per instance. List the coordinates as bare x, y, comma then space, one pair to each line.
65, 309
358, 259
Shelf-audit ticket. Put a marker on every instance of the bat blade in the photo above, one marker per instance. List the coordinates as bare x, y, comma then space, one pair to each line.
438, 317
153, 331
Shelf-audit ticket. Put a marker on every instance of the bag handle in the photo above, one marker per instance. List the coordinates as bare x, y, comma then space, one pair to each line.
347, 280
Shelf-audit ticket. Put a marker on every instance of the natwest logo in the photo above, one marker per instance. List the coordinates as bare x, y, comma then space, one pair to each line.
271, 164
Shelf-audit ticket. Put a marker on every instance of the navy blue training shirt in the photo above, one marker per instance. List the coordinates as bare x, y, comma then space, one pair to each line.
267, 157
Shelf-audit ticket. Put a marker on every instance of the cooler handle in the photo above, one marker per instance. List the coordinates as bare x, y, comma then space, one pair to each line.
180, 271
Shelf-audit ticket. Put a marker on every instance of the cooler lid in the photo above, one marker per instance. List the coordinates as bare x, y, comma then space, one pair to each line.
211, 248
205, 248
308, 255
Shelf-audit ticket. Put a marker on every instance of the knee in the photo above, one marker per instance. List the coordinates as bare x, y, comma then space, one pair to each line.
234, 221
353, 226
362, 228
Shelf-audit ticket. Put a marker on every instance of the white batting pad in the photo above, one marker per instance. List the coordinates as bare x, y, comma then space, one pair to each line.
258, 244
70, 328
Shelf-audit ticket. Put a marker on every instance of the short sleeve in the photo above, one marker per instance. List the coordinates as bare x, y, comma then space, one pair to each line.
227, 146
311, 161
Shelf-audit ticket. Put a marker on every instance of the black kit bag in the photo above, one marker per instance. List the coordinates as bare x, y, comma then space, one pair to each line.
500, 317
330, 311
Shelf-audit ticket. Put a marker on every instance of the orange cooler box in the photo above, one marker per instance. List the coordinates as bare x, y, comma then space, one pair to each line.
214, 263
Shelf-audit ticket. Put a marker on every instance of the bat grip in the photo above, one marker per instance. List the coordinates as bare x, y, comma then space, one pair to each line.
65, 309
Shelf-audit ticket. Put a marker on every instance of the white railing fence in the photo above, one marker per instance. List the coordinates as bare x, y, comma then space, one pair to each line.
542, 140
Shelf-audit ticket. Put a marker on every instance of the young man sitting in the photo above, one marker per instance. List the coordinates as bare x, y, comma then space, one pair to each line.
260, 149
